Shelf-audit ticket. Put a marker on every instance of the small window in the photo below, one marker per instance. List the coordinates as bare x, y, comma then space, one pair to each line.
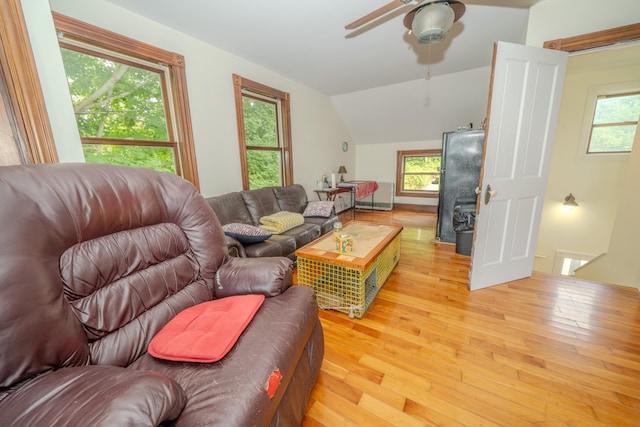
610, 120
614, 123
264, 134
418, 173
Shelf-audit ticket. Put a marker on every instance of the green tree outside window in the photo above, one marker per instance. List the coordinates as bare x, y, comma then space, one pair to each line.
120, 111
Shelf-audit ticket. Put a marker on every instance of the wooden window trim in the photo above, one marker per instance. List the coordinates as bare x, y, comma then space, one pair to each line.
23, 90
596, 39
240, 83
186, 165
400, 173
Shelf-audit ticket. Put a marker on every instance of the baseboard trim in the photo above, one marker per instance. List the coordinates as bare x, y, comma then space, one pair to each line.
416, 208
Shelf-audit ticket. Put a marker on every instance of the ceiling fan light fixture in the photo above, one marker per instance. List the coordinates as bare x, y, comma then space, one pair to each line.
432, 22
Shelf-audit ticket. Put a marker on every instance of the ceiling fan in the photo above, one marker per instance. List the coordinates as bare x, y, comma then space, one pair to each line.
429, 21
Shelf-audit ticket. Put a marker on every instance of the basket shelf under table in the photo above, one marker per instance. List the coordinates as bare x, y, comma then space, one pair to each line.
349, 282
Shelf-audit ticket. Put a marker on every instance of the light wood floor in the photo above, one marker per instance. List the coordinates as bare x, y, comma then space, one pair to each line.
539, 351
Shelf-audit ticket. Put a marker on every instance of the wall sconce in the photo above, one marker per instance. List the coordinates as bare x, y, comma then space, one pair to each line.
570, 202
342, 170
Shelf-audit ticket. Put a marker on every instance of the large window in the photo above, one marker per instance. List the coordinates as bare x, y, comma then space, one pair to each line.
129, 100
264, 134
418, 173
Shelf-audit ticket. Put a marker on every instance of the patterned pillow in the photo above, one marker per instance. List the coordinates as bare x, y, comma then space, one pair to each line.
318, 209
280, 222
245, 233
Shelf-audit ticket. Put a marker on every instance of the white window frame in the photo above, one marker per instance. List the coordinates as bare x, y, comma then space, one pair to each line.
590, 108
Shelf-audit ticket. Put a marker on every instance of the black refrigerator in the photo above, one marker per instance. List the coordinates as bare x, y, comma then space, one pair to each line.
460, 175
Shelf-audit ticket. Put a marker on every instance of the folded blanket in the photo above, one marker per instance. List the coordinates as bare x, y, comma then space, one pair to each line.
280, 222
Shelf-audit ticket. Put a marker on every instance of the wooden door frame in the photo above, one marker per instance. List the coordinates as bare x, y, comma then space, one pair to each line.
597, 39
22, 84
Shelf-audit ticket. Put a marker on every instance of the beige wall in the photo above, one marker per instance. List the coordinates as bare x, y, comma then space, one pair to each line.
48, 60
595, 182
378, 162
555, 19
586, 230
620, 264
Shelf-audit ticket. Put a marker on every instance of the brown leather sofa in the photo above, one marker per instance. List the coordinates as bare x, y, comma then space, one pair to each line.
248, 206
94, 261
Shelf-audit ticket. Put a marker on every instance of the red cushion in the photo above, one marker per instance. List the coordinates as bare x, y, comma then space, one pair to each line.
205, 332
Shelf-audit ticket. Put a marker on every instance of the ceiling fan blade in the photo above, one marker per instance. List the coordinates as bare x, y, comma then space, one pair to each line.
376, 14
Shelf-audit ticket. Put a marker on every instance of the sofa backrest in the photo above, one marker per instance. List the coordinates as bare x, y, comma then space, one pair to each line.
230, 208
259, 203
94, 260
291, 198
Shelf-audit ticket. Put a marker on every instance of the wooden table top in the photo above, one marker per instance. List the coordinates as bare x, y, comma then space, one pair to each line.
369, 240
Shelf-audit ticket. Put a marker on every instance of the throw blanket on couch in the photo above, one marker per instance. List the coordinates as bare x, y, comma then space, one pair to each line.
280, 222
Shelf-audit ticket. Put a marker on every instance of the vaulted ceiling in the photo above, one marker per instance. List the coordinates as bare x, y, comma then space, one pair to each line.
306, 41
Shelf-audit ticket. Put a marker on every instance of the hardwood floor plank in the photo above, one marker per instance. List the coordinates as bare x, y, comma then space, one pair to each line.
322, 415
544, 351
391, 415
563, 411
435, 404
333, 410
430, 416
376, 391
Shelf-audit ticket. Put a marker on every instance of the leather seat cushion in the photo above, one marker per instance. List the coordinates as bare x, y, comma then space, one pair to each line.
277, 245
303, 234
274, 340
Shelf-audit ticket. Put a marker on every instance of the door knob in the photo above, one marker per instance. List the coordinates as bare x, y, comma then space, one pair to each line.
477, 190
489, 193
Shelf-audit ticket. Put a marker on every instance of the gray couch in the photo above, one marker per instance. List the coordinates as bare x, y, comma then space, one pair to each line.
247, 207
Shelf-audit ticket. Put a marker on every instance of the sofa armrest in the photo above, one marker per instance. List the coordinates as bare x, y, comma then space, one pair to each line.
269, 276
95, 395
235, 248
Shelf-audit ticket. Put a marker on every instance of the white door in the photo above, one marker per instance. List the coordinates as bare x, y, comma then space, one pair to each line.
526, 87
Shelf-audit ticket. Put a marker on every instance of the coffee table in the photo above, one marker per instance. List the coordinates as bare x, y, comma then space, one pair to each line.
348, 282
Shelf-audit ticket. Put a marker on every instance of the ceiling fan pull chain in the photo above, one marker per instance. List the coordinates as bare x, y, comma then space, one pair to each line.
428, 76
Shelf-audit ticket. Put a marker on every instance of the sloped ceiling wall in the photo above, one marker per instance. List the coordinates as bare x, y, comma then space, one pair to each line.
415, 110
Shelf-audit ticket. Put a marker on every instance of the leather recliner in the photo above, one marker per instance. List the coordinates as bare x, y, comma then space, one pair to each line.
94, 261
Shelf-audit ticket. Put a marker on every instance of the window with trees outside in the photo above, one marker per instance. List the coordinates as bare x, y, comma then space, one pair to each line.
611, 119
613, 123
264, 134
129, 100
418, 173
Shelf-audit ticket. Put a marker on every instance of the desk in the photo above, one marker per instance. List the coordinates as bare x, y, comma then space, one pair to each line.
330, 193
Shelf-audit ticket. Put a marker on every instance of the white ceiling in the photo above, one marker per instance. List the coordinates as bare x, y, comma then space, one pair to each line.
306, 40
